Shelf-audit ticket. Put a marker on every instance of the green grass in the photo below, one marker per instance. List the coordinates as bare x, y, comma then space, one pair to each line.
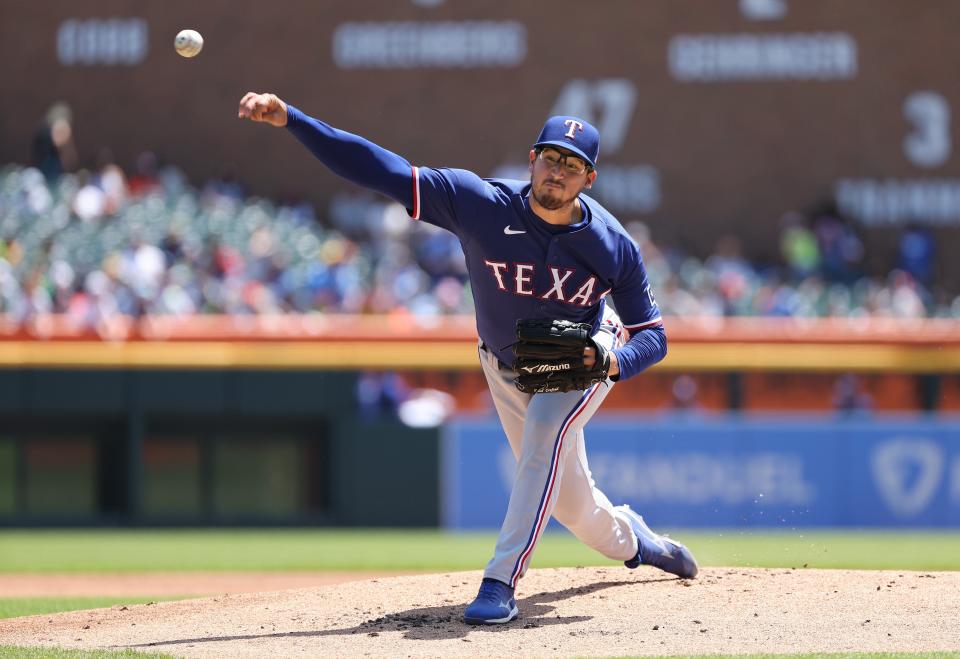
56, 653
431, 550
14, 607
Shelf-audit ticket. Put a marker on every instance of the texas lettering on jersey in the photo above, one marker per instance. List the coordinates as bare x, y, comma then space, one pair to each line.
518, 279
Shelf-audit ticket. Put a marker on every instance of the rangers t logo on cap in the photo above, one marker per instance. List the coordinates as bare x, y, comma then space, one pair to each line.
574, 127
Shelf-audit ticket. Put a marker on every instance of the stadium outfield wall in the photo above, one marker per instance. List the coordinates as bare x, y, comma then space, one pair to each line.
260, 420
774, 472
344, 341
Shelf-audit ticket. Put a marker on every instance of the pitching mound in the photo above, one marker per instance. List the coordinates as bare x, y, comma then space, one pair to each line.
583, 611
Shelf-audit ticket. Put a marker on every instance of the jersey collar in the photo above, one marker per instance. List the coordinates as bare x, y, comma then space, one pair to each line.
554, 228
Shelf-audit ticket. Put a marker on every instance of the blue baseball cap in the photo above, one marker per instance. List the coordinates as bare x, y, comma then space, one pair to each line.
573, 134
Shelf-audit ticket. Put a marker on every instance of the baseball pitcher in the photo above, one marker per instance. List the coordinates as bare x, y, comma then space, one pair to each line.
542, 259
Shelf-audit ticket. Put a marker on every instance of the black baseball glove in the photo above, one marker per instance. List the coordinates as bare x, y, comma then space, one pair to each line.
549, 356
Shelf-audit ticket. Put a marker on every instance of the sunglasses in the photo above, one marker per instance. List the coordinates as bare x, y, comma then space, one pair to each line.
570, 163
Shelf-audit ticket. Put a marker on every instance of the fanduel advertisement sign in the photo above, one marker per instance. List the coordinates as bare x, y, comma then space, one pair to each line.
730, 471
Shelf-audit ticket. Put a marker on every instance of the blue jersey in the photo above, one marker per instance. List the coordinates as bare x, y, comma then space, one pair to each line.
520, 266
523, 267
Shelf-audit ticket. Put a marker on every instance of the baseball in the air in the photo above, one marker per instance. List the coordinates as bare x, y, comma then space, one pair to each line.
188, 43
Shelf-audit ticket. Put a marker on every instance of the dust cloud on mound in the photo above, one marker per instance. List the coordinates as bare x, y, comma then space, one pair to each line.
563, 612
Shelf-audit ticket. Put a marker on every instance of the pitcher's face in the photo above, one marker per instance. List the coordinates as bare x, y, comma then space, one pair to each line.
557, 176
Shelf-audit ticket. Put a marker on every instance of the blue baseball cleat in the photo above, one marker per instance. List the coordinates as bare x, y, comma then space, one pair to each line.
658, 550
494, 605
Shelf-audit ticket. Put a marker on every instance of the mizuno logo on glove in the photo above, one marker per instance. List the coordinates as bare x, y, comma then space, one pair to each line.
544, 368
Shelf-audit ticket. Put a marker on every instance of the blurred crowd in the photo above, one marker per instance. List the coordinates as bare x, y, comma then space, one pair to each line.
96, 242
820, 273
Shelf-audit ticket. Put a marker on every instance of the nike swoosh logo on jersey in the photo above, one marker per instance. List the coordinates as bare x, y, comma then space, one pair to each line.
511, 232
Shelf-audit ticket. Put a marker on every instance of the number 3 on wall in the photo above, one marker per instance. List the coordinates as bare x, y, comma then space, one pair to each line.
929, 144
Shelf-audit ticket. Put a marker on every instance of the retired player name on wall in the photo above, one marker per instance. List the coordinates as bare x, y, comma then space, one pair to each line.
444, 44
102, 41
729, 57
897, 202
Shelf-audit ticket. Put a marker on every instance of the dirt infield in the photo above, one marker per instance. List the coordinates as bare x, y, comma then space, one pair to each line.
564, 612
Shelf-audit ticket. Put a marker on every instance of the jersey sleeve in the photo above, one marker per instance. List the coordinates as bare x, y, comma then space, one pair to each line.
454, 199
352, 157
640, 316
633, 296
